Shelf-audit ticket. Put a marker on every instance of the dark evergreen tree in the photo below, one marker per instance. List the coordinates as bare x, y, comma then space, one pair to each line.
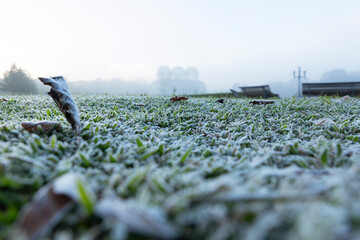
17, 81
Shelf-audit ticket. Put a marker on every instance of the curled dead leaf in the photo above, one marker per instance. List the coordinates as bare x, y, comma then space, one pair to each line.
3, 100
262, 102
61, 95
176, 99
36, 127
220, 100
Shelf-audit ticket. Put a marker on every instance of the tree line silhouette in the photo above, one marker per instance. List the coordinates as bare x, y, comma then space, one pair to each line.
17, 81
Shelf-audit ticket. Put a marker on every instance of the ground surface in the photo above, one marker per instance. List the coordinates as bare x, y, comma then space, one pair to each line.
194, 169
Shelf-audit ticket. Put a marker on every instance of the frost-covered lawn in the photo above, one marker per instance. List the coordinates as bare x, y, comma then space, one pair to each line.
195, 169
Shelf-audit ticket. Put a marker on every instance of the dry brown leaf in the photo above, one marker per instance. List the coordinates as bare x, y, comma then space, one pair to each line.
262, 102
40, 217
49, 206
3, 100
176, 98
61, 95
46, 126
346, 98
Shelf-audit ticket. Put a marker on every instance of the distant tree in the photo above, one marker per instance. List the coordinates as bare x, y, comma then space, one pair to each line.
17, 81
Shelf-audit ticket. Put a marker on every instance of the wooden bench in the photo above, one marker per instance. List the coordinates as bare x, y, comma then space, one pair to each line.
258, 91
331, 88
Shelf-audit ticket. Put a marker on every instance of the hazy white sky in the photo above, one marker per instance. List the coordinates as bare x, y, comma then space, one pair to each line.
229, 41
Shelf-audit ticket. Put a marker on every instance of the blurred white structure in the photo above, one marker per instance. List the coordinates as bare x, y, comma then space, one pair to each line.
178, 81
164, 73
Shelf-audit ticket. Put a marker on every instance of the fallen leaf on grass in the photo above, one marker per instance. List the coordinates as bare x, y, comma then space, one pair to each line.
61, 95
262, 102
36, 127
49, 206
149, 221
323, 121
176, 98
3, 100
220, 100
346, 98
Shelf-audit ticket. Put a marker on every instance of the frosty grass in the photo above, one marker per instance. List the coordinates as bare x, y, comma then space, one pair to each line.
289, 170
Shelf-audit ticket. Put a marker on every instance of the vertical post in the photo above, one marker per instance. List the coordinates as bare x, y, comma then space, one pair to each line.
299, 77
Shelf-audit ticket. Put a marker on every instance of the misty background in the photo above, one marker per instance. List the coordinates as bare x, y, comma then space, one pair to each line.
116, 46
285, 88
28, 85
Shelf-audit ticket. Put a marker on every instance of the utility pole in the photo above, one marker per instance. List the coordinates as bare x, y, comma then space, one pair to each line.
299, 77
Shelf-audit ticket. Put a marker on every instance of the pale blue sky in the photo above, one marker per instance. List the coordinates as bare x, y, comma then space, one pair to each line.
229, 41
